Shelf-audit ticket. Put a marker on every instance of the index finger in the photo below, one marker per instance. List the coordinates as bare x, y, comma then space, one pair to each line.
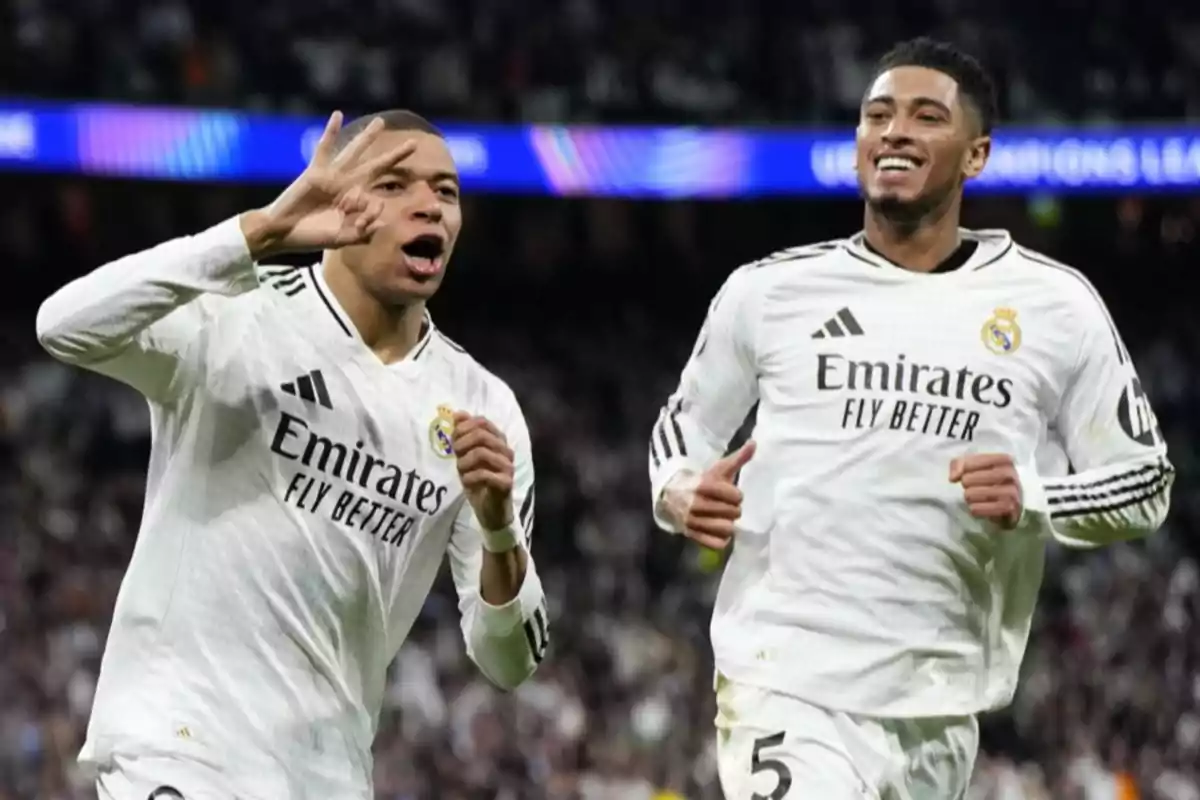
464, 424
980, 461
721, 491
354, 150
323, 152
381, 164
490, 427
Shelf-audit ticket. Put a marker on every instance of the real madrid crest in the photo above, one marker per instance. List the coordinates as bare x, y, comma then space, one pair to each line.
1001, 334
440, 432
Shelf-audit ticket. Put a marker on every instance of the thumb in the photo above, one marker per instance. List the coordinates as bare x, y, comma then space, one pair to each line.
956, 470
728, 466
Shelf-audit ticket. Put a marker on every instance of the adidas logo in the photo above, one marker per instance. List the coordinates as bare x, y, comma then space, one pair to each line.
842, 323
310, 387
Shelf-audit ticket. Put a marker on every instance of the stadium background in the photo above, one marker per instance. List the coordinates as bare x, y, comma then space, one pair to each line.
587, 306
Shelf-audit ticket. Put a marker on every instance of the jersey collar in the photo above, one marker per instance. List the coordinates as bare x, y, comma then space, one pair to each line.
330, 305
988, 246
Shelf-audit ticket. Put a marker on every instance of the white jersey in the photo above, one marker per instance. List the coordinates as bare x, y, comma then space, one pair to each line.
301, 496
858, 580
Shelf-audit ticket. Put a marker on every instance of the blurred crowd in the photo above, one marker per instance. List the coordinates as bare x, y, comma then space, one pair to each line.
1109, 706
555, 60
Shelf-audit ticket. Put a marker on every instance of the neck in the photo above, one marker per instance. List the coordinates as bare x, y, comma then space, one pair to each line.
919, 244
390, 331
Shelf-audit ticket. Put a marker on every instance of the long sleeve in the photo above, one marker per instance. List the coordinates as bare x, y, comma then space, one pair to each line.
718, 388
134, 319
506, 642
1122, 481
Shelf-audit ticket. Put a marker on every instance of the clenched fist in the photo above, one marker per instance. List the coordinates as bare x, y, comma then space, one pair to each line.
708, 505
990, 486
485, 466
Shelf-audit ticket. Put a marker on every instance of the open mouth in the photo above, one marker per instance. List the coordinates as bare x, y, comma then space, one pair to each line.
897, 163
424, 254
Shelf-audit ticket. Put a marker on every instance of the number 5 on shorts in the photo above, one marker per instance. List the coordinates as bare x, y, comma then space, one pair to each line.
783, 775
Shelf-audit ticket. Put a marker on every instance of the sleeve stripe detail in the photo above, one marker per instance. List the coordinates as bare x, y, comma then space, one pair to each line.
669, 433
670, 436
1151, 492
526, 512
1058, 485
674, 417
288, 280
537, 635
1038, 258
661, 431
1129, 489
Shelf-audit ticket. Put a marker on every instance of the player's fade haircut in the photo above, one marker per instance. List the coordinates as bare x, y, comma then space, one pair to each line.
396, 119
974, 82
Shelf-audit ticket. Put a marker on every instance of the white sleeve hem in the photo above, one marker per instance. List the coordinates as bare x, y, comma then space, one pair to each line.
504, 619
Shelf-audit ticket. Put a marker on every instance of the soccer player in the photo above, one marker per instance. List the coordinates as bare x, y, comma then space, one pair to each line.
318, 448
889, 513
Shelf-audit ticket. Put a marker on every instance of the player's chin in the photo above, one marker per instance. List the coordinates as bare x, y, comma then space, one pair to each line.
896, 201
418, 287
402, 289
891, 190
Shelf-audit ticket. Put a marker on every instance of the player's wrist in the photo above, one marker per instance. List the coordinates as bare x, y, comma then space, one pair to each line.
501, 540
262, 239
676, 498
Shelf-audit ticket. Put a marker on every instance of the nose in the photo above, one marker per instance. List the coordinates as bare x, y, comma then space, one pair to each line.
425, 205
897, 130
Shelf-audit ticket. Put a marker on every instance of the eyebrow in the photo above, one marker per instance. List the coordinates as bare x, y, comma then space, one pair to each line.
407, 173
917, 101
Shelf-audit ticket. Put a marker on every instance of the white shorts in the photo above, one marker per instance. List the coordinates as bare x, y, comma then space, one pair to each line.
774, 747
160, 778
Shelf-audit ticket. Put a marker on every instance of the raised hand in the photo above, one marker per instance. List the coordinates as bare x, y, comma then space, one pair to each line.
485, 466
707, 506
990, 487
328, 205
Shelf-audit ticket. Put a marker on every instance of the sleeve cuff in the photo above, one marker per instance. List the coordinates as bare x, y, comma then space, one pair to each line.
658, 482
1035, 511
504, 619
1035, 507
1033, 493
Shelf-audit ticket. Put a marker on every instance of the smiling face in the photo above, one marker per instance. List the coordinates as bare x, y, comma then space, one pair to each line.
918, 141
405, 259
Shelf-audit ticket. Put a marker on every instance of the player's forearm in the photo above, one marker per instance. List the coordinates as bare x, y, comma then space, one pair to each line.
1109, 504
508, 639
94, 317
501, 575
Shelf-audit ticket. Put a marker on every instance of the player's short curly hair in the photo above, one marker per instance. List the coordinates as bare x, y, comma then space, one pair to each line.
396, 119
973, 80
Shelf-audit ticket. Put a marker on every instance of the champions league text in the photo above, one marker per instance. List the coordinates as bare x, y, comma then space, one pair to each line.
938, 401
313, 489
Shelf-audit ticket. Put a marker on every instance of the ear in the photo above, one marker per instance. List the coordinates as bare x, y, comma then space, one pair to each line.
976, 157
